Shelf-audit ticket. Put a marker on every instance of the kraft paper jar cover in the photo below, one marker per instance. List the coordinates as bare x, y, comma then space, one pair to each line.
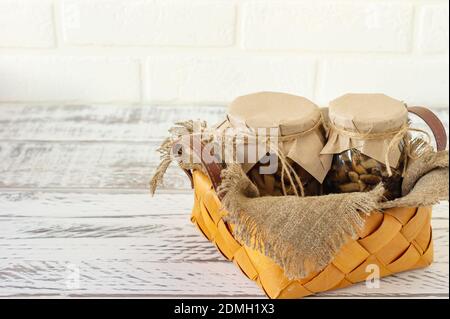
298, 120
366, 114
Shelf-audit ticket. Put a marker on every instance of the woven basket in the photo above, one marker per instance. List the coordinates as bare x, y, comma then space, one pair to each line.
396, 240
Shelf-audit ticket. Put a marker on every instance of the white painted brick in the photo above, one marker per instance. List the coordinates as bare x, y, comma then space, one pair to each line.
422, 82
433, 28
41, 79
26, 24
326, 25
221, 79
160, 22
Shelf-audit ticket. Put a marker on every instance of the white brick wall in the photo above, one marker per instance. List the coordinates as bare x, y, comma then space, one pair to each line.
327, 26
217, 79
164, 23
26, 24
69, 79
433, 28
423, 81
210, 51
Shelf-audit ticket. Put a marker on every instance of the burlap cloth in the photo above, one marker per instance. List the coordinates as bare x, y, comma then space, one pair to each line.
303, 234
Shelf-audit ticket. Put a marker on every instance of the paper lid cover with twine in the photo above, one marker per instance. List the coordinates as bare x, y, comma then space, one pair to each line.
299, 123
368, 123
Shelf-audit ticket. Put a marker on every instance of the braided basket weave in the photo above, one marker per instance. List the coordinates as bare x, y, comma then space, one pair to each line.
397, 240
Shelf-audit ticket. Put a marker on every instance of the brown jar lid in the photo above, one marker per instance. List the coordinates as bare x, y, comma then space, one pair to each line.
290, 113
367, 113
297, 119
372, 120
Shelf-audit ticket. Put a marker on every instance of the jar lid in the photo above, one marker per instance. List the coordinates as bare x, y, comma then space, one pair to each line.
366, 114
374, 113
298, 121
290, 113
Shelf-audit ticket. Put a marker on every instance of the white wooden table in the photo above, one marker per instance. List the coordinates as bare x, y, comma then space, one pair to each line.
76, 218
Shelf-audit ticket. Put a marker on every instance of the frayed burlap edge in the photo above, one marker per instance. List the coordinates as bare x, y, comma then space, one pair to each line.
182, 128
304, 234
430, 189
301, 234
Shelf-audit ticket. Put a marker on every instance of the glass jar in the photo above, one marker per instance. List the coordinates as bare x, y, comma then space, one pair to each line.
271, 184
367, 132
352, 171
295, 127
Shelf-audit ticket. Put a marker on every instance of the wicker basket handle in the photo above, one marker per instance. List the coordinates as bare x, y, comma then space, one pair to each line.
213, 169
434, 123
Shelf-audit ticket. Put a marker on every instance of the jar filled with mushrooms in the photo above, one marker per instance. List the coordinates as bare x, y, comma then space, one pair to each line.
367, 137
291, 163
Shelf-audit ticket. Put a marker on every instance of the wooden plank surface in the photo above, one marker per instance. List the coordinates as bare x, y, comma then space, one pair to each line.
74, 199
92, 147
133, 244
109, 123
123, 165
97, 123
